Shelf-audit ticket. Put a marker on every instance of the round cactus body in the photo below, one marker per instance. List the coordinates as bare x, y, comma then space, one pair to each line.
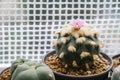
29, 70
77, 44
116, 74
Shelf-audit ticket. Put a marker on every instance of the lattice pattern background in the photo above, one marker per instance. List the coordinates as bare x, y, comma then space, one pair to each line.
27, 26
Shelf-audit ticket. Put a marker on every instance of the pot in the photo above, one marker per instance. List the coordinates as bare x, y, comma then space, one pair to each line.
115, 56
115, 72
100, 76
5, 74
116, 61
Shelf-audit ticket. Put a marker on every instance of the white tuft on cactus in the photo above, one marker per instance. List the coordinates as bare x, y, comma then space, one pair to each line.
74, 64
80, 40
72, 48
55, 43
85, 31
62, 55
91, 43
100, 43
84, 54
95, 32
64, 39
95, 57
58, 32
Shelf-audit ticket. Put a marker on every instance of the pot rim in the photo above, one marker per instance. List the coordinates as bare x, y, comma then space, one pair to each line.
118, 55
84, 76
4, 70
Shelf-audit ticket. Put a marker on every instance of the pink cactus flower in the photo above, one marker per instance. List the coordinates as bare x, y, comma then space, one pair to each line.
77, 24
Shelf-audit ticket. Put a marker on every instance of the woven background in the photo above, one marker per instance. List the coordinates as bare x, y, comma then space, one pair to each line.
27, 26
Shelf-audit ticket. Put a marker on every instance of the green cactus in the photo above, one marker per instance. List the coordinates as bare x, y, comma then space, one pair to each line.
116, 74
77, 46
29, 70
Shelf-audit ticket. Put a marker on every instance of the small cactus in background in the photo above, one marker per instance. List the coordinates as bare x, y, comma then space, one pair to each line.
77, 44
22, 69
116, 74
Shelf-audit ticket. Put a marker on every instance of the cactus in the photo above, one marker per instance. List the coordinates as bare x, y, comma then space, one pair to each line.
116, 73
77, 44
22, 69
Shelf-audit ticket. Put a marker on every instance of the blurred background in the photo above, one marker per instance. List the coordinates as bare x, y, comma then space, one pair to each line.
27, 26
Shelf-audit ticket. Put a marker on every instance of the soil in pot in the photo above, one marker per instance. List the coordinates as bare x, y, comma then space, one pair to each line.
57, 65
5, 75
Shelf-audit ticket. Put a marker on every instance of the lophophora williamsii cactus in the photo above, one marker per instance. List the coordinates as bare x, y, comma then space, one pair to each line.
22, 69
116, 73
77, 44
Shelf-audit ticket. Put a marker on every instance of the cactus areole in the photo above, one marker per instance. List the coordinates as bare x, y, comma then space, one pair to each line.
77, 43
28, 70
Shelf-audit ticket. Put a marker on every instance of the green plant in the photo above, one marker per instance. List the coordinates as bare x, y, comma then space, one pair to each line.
29, 70
77, 44
116, 74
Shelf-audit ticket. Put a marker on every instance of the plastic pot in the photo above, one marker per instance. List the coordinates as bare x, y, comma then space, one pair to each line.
101, 76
